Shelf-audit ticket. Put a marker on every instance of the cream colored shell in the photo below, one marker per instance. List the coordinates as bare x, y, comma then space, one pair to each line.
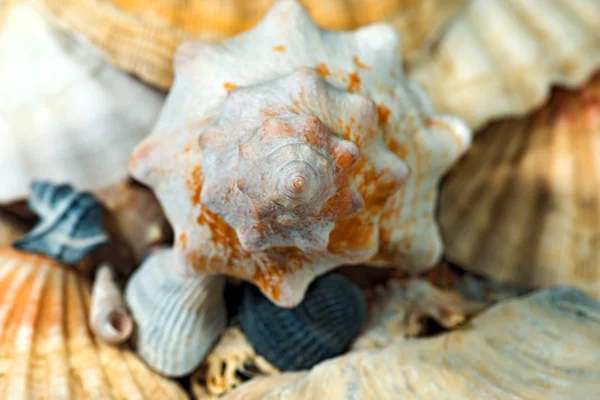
206, 162
47, 348
499, 58
542, 347
141, 36
523, 206
65, 114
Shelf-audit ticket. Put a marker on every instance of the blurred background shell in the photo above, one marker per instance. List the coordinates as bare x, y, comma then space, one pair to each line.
69, 116
541, 347
523, 206
499, 58
141, 36
46, 345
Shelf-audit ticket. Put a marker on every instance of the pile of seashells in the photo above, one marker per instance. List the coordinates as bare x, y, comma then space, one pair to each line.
281, 199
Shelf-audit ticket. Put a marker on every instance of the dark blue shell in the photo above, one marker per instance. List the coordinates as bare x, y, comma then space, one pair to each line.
321, 327
70, 223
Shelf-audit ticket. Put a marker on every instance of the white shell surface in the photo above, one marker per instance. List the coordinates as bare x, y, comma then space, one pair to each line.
392, 119
65, 114
177, 319
501, 57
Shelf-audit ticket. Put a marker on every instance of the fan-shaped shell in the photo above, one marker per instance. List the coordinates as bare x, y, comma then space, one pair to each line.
321, 327
141, 37
277, 173
177, 319
542, 347
500, 57
524, 206
47, 348
70, 117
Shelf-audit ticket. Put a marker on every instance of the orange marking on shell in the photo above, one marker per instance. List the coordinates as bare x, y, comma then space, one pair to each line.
383, 113
228, 86
355, 82
397, 148
280, 49
322, 70
360, 64
350, 234
183, 240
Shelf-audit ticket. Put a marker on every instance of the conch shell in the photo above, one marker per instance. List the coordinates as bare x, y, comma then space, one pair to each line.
46, 346
542, 347
289, 150
141, 36
499, 58
65, 114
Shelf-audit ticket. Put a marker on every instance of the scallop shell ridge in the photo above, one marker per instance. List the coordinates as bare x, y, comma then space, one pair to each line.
47, 346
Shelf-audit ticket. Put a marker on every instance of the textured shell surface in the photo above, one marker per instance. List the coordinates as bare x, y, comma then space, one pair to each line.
47, 348
142, 36
523, 206
70, 223
544, 347
70, 116
177, 319
321, 327
499, 58
289, 150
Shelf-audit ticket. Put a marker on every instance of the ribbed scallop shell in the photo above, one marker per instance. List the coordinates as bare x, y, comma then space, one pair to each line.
141, 36
235, 104
46, 346
500, 57
66, 115
177, 319
523, 206
542, 347
321, 327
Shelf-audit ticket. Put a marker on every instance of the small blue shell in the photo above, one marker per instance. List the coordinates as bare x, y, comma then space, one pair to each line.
321, 327
70, 223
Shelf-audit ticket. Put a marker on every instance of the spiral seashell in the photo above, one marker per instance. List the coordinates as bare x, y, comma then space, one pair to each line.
70, 223
177, 319
288, 150
109, 319
46, 346
321, 327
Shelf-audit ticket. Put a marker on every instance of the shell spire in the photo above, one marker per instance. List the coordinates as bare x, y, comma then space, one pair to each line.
289, 150
291, 180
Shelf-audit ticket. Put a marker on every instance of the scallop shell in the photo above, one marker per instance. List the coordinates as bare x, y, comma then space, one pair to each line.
47, 349
542, 347
70, 224
321, 327
523, 206
141, 37
313, 171
177, 319
135, 217
499, 58
70, 117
